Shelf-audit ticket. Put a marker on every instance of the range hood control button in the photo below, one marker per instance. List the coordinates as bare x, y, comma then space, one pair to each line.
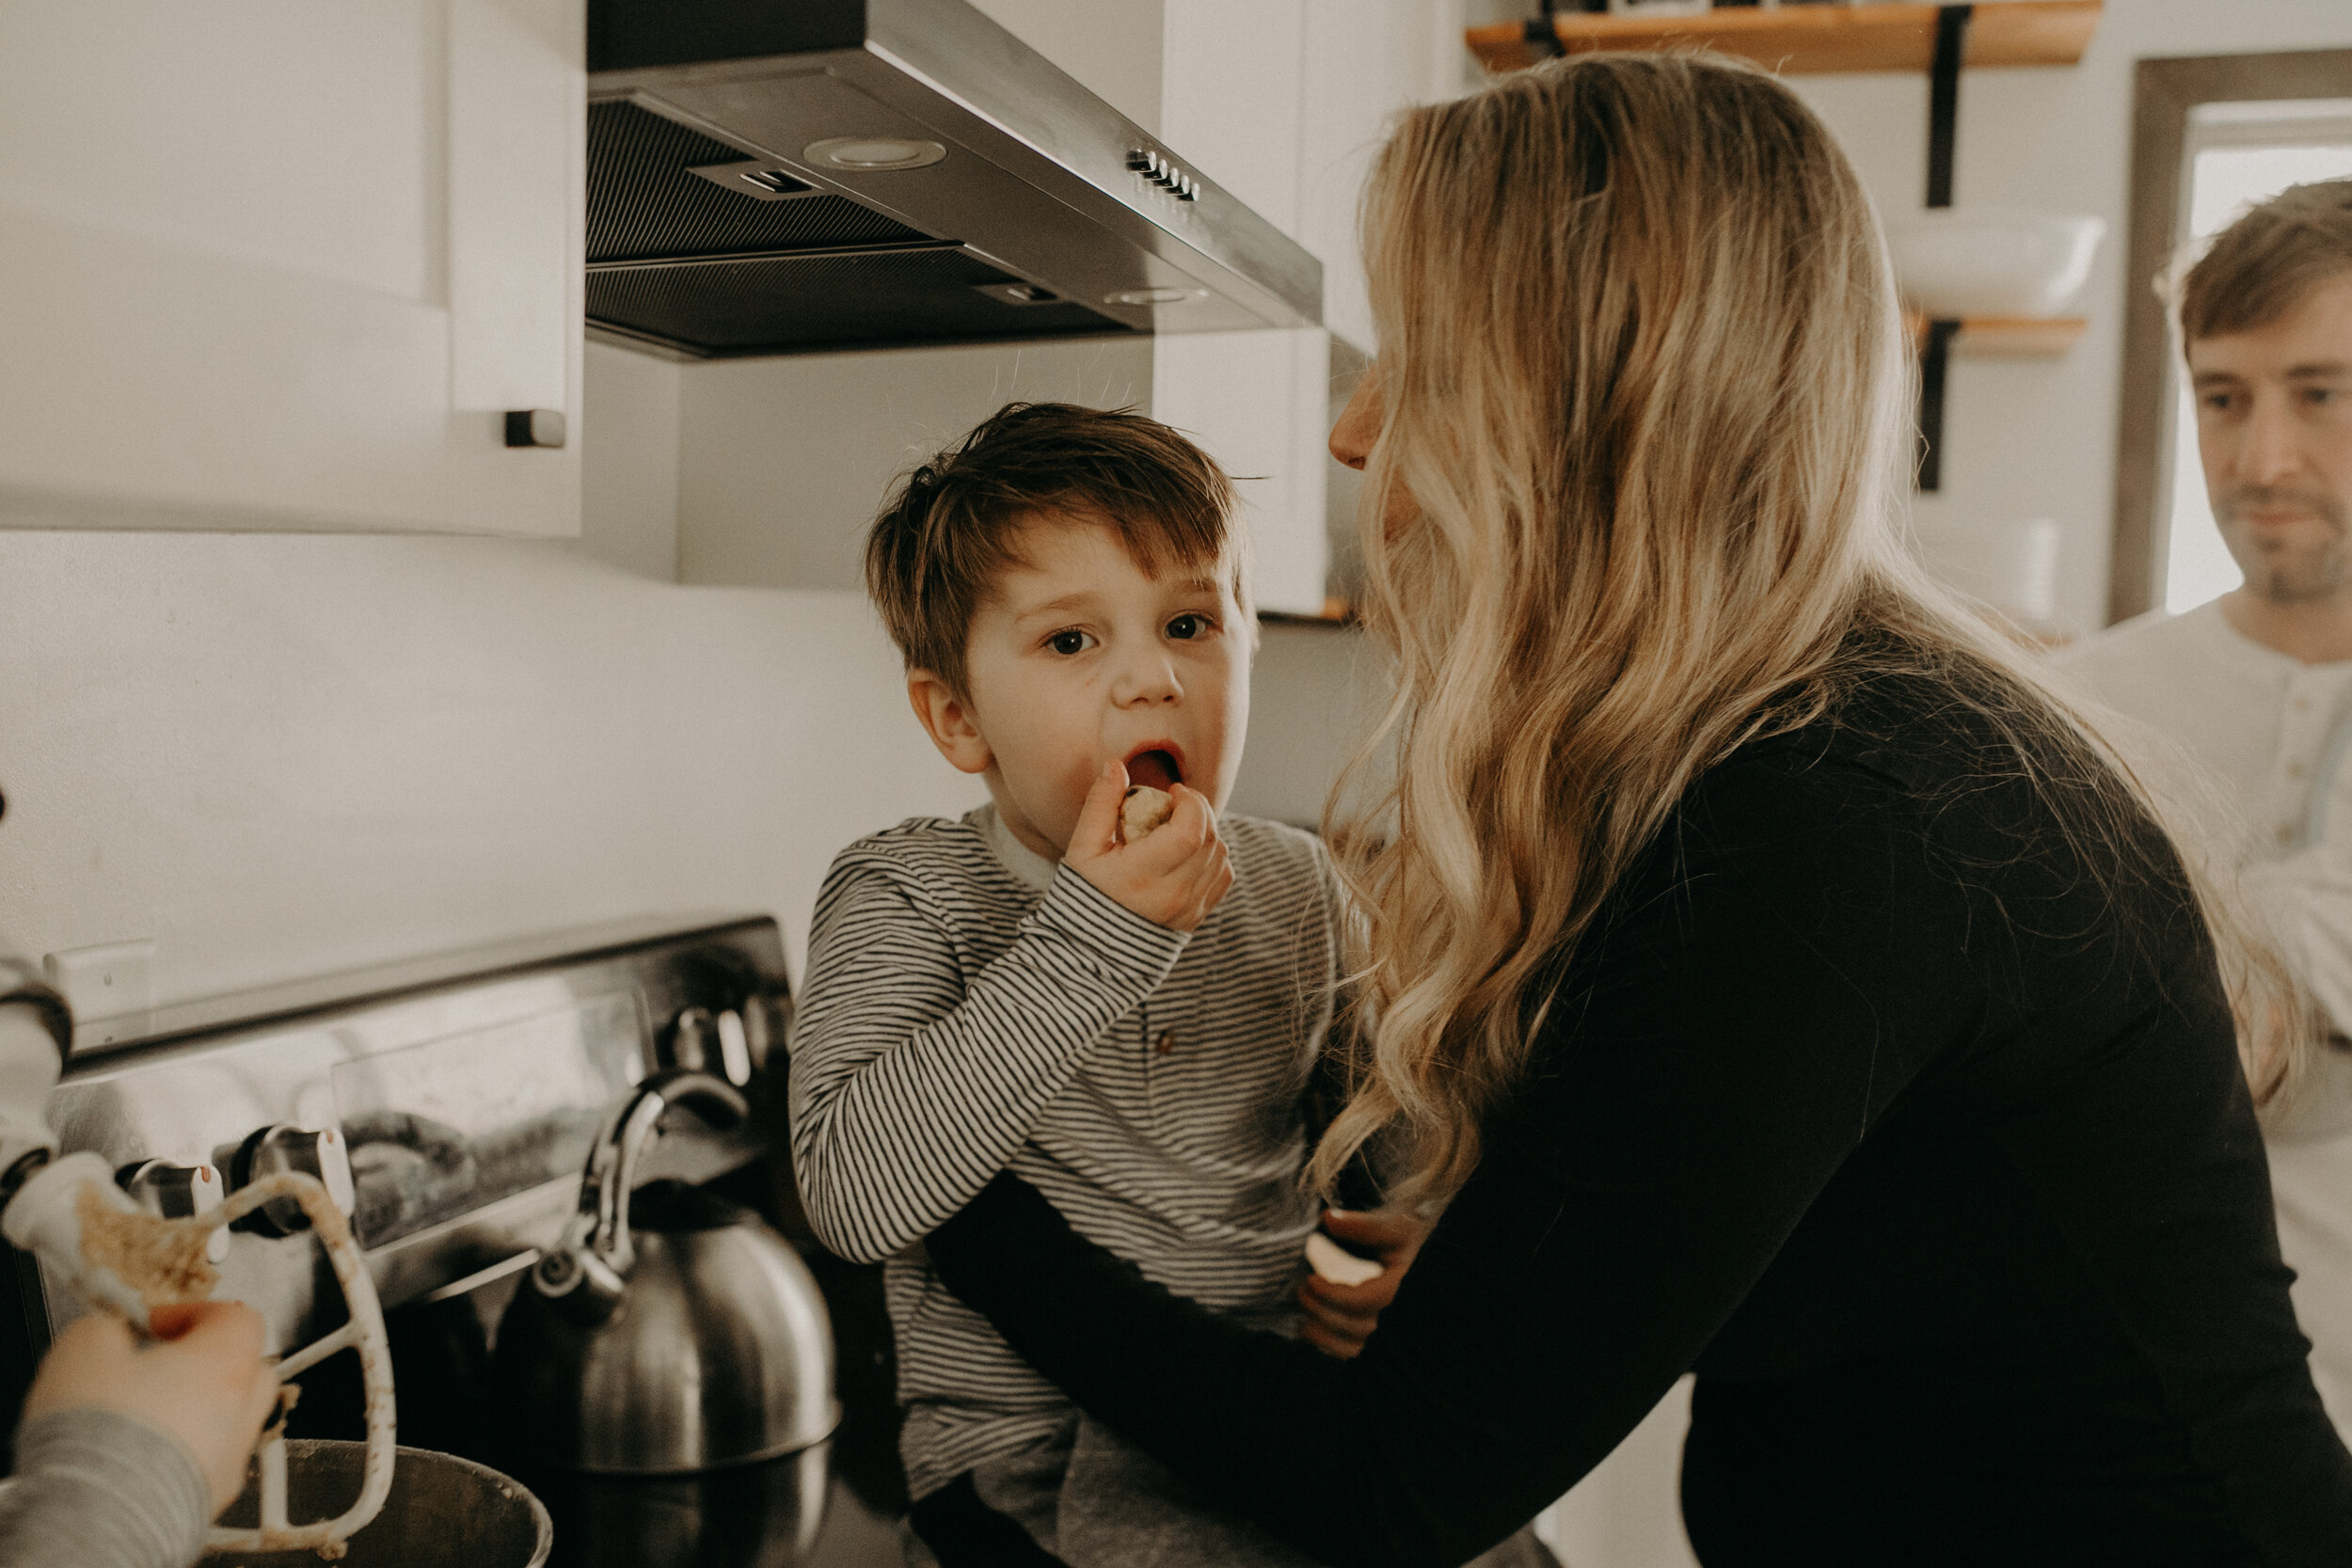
272, 1149
1164, 173
176, 1191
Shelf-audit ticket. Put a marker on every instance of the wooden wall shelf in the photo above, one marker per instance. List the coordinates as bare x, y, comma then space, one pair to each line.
2008, 337
1804, 38
1336, 615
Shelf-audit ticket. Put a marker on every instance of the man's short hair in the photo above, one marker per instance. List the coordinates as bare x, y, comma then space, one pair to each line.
2260, 267
953, 525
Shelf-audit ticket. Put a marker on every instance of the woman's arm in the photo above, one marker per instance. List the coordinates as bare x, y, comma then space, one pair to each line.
910, 1089
1772, 983
127, 1449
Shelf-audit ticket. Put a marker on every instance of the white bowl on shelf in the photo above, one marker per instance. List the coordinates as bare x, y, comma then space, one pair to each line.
2011, 565
1957, 262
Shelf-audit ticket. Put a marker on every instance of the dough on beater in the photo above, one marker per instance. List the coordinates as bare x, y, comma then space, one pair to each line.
162, 1260
1144, 809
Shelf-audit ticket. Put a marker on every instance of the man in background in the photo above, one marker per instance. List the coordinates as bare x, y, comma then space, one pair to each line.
2257, 685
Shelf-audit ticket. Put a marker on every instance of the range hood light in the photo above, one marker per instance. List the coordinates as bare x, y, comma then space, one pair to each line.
872, 155
1154, 297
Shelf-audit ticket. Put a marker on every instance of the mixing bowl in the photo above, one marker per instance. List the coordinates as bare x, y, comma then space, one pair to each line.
443, 1512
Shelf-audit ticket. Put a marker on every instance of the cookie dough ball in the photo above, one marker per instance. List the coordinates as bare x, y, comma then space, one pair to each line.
1337, 1265
1144, 809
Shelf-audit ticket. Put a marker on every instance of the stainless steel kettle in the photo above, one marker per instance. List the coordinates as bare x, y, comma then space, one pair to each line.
691, 1339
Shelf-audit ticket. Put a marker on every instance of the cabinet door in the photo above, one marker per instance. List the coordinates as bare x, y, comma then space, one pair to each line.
1231, 103
278, 263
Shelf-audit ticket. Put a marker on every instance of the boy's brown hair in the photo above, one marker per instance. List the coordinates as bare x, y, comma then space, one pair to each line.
953, 524
2260, 267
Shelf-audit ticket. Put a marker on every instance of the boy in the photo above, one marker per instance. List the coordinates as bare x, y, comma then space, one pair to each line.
1127, 1025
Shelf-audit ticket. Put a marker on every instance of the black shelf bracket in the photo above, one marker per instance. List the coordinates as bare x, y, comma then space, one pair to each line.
1935, 354
1951, 48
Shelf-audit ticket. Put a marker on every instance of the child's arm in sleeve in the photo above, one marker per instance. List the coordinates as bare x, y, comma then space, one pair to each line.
910, 1089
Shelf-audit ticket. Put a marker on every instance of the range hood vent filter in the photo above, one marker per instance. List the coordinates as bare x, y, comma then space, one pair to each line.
643, 200
826, 302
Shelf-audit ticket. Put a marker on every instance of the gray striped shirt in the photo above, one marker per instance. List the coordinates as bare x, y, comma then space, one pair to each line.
969, 1007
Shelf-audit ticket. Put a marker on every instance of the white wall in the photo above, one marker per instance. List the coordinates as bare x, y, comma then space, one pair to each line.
1314, 692
284, 756
628, 461
783, 461
2029, 438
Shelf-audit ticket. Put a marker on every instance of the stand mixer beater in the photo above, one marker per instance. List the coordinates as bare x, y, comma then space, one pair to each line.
69, 1212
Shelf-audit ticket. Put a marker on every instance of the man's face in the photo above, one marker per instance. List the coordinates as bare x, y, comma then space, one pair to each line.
1080, 657
2274, 426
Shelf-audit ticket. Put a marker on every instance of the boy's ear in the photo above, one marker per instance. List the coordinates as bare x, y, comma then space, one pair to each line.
948, 720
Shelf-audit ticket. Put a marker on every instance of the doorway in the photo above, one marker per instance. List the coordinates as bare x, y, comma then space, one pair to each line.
2210, 135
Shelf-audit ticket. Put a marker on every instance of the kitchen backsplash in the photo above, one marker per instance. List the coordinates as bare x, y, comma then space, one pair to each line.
283, 754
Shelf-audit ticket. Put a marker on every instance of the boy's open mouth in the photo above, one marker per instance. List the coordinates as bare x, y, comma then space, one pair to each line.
1155, 768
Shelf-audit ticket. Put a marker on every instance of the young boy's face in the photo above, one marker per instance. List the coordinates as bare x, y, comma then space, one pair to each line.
1080, 657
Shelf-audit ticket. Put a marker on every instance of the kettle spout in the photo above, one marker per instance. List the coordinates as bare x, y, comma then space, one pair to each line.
579, 1284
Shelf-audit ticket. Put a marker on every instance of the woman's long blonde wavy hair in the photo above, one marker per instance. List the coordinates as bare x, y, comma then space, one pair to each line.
1642, 373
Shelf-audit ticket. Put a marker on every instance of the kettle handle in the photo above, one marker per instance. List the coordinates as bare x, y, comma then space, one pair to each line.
596, 1252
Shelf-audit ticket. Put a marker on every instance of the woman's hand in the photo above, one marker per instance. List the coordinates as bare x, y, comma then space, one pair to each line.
1339, 1318
203, 1383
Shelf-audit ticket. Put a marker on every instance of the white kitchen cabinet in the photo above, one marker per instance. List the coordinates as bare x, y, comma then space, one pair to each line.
1232, 90
1284, 103
283, 264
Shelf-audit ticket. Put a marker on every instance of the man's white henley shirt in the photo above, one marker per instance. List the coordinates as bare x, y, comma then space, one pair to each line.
2272, 735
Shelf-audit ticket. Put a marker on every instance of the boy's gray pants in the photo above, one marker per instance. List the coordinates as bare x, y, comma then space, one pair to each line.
1096, 1501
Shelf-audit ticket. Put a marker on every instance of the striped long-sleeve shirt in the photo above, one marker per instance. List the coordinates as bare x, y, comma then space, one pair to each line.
969, 1007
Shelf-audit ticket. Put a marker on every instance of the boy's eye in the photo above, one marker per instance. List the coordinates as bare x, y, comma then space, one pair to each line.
1186, 627
1070, 643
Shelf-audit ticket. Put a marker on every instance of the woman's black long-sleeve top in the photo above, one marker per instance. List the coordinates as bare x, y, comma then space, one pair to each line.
1898, 1106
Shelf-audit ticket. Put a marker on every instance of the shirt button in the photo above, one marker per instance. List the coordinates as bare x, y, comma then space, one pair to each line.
1166, 1044
2286, 834
2296, 770
2302, 703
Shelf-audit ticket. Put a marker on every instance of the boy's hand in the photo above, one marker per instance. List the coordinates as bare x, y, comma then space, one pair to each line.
1339, 1318
1174, 878
203, 1383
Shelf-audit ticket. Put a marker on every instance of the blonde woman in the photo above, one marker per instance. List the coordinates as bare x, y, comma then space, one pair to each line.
1768, 977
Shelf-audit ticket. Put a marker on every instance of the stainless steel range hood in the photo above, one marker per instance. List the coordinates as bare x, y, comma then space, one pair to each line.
790, 176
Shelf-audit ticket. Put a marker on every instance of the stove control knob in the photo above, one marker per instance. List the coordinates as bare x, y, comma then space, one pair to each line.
176, 1192
285, 1147
735, 1049
691, 1040
703, 1041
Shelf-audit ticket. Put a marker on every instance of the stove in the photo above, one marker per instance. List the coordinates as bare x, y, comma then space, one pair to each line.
448, 1104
